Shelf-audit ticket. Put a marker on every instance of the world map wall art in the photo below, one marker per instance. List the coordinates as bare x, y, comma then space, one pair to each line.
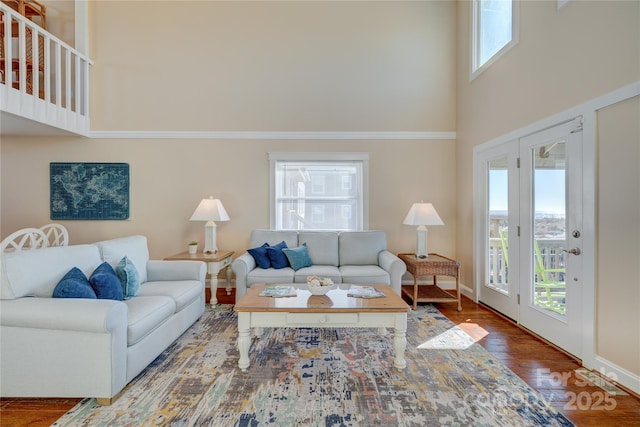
89, 191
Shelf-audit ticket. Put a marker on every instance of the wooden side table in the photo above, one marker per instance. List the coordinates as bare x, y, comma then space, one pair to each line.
435, 265
215, 263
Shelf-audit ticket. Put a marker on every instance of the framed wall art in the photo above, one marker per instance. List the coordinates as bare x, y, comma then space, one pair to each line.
89, 191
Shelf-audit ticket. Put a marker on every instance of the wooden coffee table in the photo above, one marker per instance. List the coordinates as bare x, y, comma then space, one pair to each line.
333, 310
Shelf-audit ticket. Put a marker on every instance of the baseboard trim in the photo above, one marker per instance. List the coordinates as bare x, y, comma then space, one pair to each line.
443, 284
618, 375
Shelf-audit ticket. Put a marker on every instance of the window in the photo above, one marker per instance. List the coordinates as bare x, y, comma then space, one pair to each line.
346, 211
317, 183
319, 191
494, 32
347, 182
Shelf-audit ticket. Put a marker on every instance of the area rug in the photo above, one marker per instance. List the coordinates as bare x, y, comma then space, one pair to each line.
323, 377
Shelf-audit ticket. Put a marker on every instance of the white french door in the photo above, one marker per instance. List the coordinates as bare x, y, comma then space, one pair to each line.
551, 235
529, 232
497, 169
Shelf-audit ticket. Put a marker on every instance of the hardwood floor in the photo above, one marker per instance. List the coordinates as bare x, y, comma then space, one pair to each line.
541, 365
545, 368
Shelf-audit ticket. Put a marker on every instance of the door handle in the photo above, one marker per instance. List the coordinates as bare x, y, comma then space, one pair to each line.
572, 251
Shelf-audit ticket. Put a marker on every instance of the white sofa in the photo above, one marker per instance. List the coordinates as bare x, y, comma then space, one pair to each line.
358, 257
70, 347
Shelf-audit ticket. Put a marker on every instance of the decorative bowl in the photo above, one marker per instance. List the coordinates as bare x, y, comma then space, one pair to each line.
318, 286
318, 289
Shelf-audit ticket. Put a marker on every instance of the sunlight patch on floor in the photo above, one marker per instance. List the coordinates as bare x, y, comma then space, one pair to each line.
459, 337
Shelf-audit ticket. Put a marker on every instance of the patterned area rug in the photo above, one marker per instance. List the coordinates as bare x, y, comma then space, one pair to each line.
323, 377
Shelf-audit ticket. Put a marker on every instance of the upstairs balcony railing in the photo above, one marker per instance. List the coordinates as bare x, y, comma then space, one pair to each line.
41, 77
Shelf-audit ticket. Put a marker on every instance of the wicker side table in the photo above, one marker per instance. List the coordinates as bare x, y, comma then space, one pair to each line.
435, 265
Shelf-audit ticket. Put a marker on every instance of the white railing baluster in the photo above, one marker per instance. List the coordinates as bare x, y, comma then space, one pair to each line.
58, 76
76, 89
47, 67
85, 105
65, 77
35, 66
22, 52
67, 82
8, 50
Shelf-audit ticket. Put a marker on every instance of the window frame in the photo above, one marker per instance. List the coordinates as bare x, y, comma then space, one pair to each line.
476, 28
363, 158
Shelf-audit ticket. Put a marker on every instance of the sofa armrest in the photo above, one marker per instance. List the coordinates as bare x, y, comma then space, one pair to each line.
67, 347
395, 267
67, 314
160, 270
241, 266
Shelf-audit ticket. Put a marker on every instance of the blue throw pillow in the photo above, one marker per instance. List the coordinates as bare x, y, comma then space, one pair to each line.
276, 256
105, 283
298, 257
74, 284
260, 255
129, 278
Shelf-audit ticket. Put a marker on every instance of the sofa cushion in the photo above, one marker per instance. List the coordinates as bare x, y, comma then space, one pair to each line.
74, 284
20, 279
133, 247
259, 254
322, 246
270, 275
322, 271
298, 257
364, 274
276, 256
129, 277
145, 314
361, 247
183, 292
105, 283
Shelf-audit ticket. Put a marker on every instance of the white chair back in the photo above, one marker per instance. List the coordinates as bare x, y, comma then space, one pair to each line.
57, 234
24, 239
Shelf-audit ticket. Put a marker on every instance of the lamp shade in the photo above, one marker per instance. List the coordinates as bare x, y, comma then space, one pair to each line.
210, 210
423, 214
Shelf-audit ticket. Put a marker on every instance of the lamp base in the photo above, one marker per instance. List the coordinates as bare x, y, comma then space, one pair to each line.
422, 253
210, 238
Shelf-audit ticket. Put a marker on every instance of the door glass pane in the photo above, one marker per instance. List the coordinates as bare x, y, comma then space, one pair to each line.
498, 231
549, 227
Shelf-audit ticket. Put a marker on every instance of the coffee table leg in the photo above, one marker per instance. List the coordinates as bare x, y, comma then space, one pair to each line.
400, 340
244, 339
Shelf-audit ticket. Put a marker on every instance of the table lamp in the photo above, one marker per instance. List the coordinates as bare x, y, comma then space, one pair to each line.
210, 210
422, 214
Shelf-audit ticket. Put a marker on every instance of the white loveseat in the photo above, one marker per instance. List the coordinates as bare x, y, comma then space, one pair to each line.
358, 257
70, 347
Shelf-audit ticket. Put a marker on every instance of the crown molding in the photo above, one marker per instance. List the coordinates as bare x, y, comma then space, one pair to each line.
267, 135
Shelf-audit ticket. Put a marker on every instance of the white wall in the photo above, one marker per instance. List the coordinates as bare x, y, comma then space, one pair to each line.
273, 66
618, 225
169, 177
196, 66
564, 58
